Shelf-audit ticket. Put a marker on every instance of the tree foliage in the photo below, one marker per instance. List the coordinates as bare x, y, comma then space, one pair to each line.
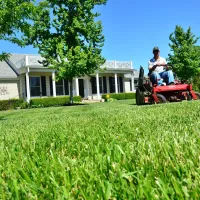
185, 59
14, 21
71, 40
66, 33
196, 78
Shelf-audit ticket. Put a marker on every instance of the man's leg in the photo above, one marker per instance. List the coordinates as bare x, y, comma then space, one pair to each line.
154, 76
168, 76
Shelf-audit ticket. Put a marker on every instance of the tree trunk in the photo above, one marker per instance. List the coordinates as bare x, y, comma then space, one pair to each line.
71, 91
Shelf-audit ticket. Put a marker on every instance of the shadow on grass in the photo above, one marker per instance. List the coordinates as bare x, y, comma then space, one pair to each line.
2, 118
77, 104
148, 104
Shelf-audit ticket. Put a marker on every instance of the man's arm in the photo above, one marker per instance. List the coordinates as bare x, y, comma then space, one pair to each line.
151, 67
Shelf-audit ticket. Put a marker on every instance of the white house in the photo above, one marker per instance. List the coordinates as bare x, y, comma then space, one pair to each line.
22, 76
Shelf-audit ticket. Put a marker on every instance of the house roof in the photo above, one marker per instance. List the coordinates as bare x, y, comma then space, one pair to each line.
16, 59
21, 60
6, 71
17, 63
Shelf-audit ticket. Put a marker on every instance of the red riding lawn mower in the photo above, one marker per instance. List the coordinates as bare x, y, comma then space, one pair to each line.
146, 93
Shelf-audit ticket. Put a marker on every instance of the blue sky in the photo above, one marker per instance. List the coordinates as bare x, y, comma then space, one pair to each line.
133, 27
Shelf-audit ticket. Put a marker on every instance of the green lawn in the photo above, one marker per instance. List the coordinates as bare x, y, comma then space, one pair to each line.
113, 150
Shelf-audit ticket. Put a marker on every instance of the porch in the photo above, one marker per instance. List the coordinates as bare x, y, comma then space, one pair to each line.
38, 85
38, 82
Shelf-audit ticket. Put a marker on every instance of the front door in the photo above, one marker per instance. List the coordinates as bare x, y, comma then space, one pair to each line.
81, 87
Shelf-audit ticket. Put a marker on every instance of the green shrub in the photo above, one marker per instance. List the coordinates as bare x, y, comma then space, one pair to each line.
24, 105
36, 103
17, 102
110, 100
10, 104
52, 101
130, 95
119, 96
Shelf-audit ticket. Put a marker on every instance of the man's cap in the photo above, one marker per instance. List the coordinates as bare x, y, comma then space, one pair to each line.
156, 49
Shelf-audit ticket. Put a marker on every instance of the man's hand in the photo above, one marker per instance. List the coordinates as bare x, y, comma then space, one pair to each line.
153, 68
166, 67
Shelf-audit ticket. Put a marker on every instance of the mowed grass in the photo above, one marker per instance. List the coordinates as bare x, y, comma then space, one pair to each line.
113, 150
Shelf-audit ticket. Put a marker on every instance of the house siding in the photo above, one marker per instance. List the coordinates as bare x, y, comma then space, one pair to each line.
9, 89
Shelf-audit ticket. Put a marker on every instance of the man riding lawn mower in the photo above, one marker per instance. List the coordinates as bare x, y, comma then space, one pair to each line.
161, 86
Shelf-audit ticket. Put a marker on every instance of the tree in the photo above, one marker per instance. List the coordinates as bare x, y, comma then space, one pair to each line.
65, 32
68, 37
196, 78
197, 49
185, 59
14, 16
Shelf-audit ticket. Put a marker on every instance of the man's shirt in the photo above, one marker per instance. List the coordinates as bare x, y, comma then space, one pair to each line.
153, 62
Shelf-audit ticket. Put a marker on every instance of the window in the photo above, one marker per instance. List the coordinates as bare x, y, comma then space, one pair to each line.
94, 85
102, 85
51, 85
62, 87
43, 83
135, 84
59, 88
112, 84
35, 86
120, 84
66, 84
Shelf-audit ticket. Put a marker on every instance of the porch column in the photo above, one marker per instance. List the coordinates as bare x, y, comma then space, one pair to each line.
97, 80
116, 85
54, 84
27, 86
132, 82
77, 87
123, 82
48, 86
21, 87
87, 87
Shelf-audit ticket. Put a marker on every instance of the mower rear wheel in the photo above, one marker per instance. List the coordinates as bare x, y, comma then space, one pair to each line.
189, 97
161, 98
139, 97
